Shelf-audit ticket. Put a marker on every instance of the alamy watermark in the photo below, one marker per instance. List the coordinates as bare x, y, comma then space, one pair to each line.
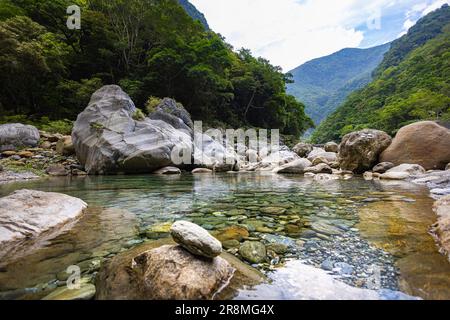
218, 147
74, 19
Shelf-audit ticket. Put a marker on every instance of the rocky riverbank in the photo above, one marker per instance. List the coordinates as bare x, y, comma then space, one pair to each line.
112, 137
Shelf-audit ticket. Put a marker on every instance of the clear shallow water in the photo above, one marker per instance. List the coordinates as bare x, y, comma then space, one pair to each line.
354, 221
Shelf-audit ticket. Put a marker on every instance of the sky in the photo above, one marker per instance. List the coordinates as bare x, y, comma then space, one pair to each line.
292, 32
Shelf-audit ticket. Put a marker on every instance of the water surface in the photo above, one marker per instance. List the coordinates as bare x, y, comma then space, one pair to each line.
353, 221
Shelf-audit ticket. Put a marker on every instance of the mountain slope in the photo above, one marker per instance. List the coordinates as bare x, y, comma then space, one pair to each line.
416, 88
194, 13
324, 83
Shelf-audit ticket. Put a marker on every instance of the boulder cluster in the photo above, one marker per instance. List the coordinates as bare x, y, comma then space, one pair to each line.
36, 151
191, 270
112, 136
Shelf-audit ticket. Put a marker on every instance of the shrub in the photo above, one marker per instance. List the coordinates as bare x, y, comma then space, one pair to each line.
151, 104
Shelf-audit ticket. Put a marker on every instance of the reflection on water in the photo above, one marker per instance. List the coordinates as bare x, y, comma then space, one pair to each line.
395, 217
402, 229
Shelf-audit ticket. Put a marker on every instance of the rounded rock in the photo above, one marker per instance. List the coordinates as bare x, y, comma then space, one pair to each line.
195, 239
253, 251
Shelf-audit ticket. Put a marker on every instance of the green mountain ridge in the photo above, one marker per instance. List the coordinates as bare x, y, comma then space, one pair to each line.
415, 88
324, 83
193, 12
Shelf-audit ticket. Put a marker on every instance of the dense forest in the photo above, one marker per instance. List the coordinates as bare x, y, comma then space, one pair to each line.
411, 84
323, 84
152, 48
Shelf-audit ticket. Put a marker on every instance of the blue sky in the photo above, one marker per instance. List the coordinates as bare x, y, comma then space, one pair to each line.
291, 32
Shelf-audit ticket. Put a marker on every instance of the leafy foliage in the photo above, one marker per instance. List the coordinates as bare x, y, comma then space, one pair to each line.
416, 89
150, 48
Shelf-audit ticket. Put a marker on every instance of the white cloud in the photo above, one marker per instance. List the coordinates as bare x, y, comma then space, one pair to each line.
291, 32
435, 5
420, 10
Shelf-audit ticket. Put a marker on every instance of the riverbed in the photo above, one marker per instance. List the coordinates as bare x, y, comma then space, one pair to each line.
367, 234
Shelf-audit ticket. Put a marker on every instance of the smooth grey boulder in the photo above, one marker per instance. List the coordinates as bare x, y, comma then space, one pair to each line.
168, 171
320, 168
108, 140
195, 239
28, 214
174, 114
165, 273
295, 167
303, 149
359, 151
331, 147
17, 135
411, 169
315, 153
383, 167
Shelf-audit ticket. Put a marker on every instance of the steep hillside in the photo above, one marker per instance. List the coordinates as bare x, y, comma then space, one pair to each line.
324, 83
152, 49
194, 13
416, 88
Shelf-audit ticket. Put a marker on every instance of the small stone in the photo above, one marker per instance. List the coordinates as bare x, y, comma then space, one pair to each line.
46, 145
331, 147
383, 167
78, 172
264, 229
168, 171
325, 228
25, 154
447, 167
157, 230
278, 248
64, 146
85, 292
57, 170
195, 239
253, 251
343, 268
231, 244
232, 233
8, 153
327, 265
273, 210
201, 170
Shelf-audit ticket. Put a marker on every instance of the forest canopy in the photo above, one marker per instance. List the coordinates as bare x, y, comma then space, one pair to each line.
150, 48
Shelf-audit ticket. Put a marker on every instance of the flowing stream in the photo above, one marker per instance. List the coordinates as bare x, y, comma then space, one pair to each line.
375, 232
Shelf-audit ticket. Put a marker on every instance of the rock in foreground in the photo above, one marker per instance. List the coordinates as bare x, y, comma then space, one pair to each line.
165, 273
195, 239
28, 215
425, 143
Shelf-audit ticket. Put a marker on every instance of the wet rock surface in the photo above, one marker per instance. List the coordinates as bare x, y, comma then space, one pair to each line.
28, 215
195, 239
292, 217
165, 273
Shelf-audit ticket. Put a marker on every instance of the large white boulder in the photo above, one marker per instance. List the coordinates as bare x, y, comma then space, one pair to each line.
28, 215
